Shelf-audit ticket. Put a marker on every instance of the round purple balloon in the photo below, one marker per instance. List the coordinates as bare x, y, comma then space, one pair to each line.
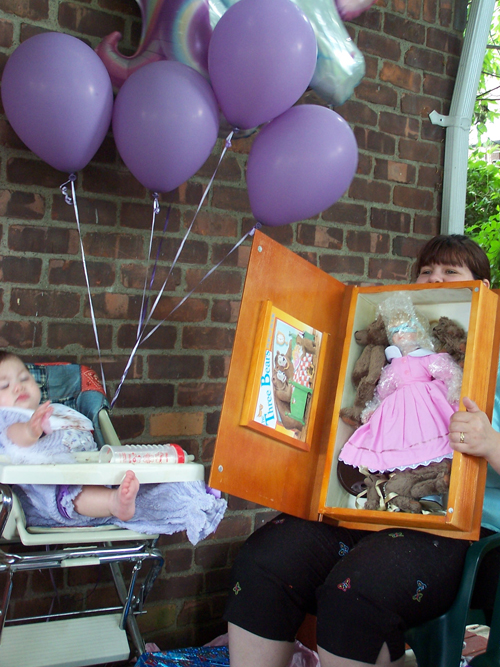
261, 58
58, 97
300, 164
165, 124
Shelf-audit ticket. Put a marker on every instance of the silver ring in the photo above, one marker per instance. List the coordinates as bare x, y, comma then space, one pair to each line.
462, 437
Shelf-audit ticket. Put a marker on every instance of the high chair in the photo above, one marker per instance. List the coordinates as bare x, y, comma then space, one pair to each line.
87, 637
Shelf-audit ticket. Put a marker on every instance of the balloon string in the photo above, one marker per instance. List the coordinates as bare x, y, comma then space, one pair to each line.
156, 210
227, 145
183, 300
145, 322
71, 200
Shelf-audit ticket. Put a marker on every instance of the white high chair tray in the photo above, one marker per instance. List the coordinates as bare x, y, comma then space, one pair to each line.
99, 473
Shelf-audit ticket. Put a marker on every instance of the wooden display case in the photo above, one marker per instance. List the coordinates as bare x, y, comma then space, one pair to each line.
295, 470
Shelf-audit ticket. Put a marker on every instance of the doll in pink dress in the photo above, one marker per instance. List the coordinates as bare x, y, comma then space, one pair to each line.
407, 423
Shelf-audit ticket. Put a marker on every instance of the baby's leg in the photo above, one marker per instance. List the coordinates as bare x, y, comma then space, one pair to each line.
99, 501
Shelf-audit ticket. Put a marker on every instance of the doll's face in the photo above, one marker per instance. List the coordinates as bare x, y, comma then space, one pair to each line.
404, 335
17, 386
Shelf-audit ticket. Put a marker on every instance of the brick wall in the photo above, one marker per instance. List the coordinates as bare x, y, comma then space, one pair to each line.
176, 384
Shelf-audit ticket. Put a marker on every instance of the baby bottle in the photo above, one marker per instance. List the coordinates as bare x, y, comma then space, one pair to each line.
144, 454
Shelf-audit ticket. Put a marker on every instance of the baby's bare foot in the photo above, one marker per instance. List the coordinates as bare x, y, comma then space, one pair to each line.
122, 501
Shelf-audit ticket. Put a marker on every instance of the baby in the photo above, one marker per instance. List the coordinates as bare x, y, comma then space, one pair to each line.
34, 433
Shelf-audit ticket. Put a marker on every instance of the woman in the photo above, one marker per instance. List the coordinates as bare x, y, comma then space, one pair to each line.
366, 588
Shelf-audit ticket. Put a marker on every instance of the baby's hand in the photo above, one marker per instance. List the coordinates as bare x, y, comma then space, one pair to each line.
39, 421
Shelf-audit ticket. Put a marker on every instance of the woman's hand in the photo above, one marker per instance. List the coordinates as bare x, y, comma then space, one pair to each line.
472, 433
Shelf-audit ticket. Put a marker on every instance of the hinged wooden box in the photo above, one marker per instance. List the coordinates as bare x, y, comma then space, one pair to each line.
295, 469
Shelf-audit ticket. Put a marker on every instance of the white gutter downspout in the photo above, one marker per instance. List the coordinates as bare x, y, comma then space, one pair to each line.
459, 121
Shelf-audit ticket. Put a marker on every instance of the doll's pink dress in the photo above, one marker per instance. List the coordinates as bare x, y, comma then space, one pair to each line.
410, 427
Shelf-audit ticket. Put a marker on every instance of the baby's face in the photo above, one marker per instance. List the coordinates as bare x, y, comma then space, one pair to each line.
17, 387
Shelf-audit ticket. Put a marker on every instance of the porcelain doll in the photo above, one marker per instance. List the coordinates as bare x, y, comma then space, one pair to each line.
407, 423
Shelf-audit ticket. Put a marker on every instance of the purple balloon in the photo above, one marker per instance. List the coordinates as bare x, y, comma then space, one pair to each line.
300, 164
58, 97
261, 58
165, 123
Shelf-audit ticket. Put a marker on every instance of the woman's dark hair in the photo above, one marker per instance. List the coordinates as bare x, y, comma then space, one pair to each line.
454, 250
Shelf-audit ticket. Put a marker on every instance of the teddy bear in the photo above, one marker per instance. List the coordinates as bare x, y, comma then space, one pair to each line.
404, 488
450, 338
367, 369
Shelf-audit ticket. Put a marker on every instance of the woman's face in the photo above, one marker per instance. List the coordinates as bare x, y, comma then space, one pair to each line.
445, 273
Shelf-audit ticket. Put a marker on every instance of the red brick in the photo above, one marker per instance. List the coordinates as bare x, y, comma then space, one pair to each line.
34, 10
342, 264
88, 21
163, 338
429, 61
51, 240
393, 270
373, 92
110, 305
175, 367
8, 137
133, 276
426, 224
229, 169
33, 172
368, 190
187, 193
209, 223
225, 311
90, 211
212, 423
320, 236
28, 30
400, 125
114, 246
378, 142
205, 393
234, 199
68, 272
401, 77
391, 221
415, 198
368, 242
105, 180
443, 41
128, 427
430, 177
6, 33
114, 366
419, 151
21, 335
207, 338
371, 19
429, 10
365, 163
218, 367
140, 216
43, 303
403, 29
193, 252
220, 282
179, 560
234, 526
357, 112
211, 556
418, 105
20, 269
27, 205
379, 45
135, 395
64, 334
414, 8
390, 170
192, 310
406, 246
438, 86
445, 14
346, 214
430, 132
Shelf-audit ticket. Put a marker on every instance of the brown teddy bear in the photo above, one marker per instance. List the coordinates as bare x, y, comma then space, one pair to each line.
450, 338
367, 369
403, 488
